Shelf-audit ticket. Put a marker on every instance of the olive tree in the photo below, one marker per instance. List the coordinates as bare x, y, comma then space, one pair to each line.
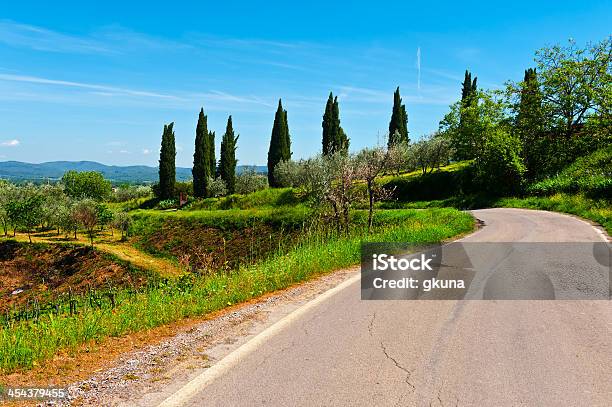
85, 212
371, 163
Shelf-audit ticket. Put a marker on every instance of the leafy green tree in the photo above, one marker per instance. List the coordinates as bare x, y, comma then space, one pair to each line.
398, 126
201, 157
227, 164
499, 168
105, 215
167, 165
280, 143
86, 184
334, 137
7, 194
465, 125
575, 82
26, 213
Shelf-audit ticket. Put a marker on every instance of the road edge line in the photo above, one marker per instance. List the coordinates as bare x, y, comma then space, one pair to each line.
189, 390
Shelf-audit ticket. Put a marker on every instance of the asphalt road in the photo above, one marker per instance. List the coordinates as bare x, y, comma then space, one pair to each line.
345, 351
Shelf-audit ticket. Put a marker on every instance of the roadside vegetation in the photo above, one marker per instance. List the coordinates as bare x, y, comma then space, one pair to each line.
24, 344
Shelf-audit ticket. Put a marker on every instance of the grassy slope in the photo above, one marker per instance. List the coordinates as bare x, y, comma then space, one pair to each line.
599, 211
23, 345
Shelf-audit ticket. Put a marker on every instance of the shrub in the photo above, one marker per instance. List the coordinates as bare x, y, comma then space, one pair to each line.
217, 187
167, 204
289, 173
250, 181
498, 168
130, 192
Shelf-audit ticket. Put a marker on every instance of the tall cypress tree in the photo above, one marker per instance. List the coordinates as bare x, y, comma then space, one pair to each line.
341, 140
327, 125
201, 158
167, 165
334, 137
464, 148
529, 123
398, 126
227, 164
211, 150
466, 86
280, 143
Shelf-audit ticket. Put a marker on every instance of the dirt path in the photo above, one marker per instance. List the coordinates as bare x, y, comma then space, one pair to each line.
114, 246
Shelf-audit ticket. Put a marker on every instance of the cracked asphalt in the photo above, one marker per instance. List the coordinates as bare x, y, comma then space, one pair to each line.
346, 351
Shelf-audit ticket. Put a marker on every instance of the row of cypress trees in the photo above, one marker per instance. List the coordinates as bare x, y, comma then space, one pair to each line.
204, 161
205, 164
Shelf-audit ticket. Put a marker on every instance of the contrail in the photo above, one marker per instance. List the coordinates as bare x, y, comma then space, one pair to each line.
419, 68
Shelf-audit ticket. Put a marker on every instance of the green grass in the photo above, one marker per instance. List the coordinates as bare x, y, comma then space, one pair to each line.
265, 198
146, 220
597, 210
590, 175
22, 345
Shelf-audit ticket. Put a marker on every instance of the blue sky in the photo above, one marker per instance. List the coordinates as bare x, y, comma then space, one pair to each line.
98, 81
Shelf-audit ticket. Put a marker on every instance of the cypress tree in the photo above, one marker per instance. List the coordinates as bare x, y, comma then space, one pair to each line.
465, 142
280, 143
398, 126
466, 86
327, 123
529, 123
211, 150
167, 165
201, 158
227, 164
334, 137
341, 140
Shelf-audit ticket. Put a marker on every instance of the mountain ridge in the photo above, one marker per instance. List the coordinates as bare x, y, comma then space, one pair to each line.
53, 170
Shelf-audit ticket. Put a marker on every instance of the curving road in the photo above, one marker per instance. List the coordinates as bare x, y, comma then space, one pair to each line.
340, 350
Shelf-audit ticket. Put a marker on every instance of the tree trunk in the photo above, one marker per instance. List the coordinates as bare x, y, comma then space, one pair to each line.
371, 209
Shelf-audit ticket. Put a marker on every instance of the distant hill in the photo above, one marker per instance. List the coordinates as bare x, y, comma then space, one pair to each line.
134, 174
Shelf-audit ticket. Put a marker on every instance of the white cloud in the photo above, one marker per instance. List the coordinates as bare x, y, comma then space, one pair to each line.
10, 143
46, 81
41, 39
146, 151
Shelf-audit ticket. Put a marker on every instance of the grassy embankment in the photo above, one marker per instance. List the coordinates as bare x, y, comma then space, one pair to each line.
583, 189
28, 343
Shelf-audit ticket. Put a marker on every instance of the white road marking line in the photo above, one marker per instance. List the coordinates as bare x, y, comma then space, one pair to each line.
184, 394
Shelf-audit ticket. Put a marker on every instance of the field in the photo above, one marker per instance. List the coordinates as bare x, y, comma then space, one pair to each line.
211, 278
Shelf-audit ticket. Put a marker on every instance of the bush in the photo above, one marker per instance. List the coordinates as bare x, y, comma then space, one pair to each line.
217, 187
250, 181
499, 168
426, 187
289, 173
167, 204
131, 192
